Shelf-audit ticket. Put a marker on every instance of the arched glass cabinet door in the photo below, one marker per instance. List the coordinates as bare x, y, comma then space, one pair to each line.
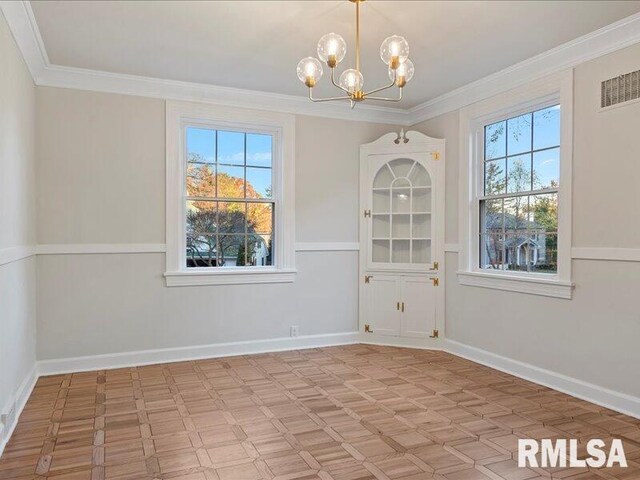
401, 214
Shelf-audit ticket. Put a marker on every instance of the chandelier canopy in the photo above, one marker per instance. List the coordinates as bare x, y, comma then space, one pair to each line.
332, 49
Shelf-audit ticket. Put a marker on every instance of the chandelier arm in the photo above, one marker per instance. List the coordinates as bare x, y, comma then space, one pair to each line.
333, 80
328, 99
380, 89
384, 99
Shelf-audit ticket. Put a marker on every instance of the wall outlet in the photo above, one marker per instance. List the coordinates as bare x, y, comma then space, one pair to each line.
293, 331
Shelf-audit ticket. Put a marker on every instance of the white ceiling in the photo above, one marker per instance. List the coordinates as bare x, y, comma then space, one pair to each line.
257, 44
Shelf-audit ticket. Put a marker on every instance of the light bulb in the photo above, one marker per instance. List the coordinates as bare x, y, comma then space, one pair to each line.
403, 73
394, 51
331, 49
351, 80
309, 71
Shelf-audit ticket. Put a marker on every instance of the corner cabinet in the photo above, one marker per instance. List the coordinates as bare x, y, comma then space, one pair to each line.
402, 238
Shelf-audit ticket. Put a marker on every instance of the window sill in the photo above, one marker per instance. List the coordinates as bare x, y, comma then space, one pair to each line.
518, 283
230, 277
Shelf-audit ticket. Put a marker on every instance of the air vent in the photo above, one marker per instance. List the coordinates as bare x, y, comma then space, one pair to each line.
620, 89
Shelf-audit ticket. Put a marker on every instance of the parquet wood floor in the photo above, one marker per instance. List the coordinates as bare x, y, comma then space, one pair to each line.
344, 413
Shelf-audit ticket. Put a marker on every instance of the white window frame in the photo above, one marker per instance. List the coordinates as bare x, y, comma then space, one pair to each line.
553, 90
180, 115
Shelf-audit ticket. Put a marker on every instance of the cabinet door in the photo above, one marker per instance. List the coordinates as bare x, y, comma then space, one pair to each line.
382, 299
419, 297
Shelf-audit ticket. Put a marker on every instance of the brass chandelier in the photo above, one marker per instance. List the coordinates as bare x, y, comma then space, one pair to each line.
332, 49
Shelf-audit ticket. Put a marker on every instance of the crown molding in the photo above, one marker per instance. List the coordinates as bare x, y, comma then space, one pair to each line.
610, 38
24, 28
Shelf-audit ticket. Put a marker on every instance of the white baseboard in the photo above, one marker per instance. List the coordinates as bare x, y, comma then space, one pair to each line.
18, 402
165, 355
605, 397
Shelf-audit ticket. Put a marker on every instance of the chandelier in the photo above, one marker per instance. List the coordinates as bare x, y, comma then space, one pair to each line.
332, 49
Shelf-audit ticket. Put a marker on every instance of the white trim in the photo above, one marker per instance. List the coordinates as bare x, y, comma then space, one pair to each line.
514, 283
327, 247
99, 248
230, 277
606, 253
610, 38
24, 28
18, 402
557, 88
13, 254
605, 397
180, 354
451, 247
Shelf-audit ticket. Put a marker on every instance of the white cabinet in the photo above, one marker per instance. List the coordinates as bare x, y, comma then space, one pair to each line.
402, 236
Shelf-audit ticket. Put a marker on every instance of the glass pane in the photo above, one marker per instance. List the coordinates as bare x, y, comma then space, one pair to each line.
201, 145
381, 200
383, 178
259, 150
231, 148
421, 198
201, 217
230, 182
401, 200
419, 176
401, 182
421, 251
380, 251
401, 166
400, 251
544, 212
201, 180
546, 128
259, 250
519, 173
400, 226
260, 218
495, 142
495, 179
232, 250
381, 226
517, 250
201, 251
491, 216
421, 226
519, 134
546, 168
258, 182
516, 213
231, 217
491, 251
545, 255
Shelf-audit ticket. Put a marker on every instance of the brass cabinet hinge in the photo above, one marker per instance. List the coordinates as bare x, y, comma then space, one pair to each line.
435, 155
436, 281
434, 334
436, 265
367, 329
367, 213
367, 278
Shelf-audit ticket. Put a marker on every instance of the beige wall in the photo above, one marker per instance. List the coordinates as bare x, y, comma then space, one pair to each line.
17, 220
101, 179
593, 337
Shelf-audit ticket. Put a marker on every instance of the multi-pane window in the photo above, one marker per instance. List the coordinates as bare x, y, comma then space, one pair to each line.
229, 201
519, 198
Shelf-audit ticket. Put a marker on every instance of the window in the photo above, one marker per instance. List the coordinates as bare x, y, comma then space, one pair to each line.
229, 195
230, 206
515, 189
519, 199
